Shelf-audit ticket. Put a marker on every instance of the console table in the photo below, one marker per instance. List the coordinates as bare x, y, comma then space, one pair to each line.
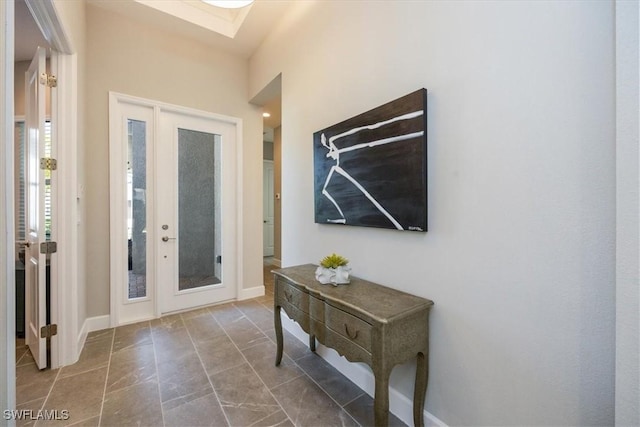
364, 322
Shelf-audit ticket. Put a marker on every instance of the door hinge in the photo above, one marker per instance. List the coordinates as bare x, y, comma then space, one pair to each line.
48, 247
48, 80
48, 331
47, 163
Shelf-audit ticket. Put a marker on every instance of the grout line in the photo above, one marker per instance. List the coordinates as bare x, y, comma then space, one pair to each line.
155, 360
215, 393
106, 379
305, 372
46, 398
253, 369
49, 393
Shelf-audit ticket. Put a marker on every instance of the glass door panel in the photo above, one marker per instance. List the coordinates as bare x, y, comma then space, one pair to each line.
137, 209
199, 243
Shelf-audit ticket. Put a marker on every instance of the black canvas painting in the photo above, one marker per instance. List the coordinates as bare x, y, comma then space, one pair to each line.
371, 170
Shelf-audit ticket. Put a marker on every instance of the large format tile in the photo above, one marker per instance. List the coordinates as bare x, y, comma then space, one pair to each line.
131, 366
203, 327
172, 344
26, 358
89, 422
167, 323
291, 346
244, 333
204, 411
34, 406
362, 410
226, 313
219, 354
182, 380
138, 405
95, 355
307, 405
243, 396
131, 335
262, 358
79, 394
32, 383
279, 419
257, 313
329, 379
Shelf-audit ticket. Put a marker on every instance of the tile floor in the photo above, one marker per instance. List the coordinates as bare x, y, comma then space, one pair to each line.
207, 367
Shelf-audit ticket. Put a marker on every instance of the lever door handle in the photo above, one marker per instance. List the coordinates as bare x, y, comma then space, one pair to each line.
167, 238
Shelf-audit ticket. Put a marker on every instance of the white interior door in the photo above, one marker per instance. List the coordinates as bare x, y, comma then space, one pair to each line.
267, 197
35, 261
196, 211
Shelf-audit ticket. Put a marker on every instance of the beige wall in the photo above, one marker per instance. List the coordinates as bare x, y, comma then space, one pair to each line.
519, 257
148, 62
19, 69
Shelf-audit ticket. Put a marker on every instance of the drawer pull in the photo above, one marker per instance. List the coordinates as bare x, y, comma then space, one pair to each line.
287, 296
349, 334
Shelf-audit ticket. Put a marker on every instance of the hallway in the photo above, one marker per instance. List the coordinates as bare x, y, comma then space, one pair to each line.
212, 366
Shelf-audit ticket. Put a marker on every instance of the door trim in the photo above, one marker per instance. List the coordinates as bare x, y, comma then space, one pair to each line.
7, 252
117, 197
65, 305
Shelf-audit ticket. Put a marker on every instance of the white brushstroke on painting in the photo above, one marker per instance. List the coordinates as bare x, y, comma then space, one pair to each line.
334, 153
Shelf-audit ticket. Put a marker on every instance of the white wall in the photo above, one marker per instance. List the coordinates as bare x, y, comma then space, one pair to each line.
139, 60
627, 215
519, 257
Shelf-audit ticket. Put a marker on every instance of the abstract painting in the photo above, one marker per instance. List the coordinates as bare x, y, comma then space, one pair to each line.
371, 170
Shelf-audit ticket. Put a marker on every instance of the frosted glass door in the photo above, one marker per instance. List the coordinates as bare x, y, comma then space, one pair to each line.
199, 244
196, 207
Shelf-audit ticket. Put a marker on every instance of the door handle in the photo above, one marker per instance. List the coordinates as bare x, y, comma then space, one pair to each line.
167, 238
24, 243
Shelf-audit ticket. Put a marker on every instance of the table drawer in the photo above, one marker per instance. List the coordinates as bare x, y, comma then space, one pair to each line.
296, 315
346, 347
289, 294
316, 308
350, 327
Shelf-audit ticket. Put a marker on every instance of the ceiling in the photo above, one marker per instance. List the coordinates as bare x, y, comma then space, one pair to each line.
237, 31
28, 36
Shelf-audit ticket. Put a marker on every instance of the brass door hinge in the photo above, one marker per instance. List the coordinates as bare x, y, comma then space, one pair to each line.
48, 80
48, 331
47, 163
48, 247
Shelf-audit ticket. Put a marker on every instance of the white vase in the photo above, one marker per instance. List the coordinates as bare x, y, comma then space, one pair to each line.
335, 276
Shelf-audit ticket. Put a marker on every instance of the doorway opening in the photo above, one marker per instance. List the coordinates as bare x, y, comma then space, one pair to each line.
270, 99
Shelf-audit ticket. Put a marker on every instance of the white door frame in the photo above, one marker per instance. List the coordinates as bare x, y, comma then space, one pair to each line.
265, 164
7, 252
118, 270
67, 344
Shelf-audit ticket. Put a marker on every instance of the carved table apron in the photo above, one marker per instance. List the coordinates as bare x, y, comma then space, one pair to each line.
364, 322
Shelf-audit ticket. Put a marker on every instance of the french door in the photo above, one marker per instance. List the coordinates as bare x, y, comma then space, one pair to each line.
195, 158
174, 209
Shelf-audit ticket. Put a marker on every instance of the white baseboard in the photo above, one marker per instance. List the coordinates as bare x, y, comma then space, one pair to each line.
255, 292
400, 405
91, 324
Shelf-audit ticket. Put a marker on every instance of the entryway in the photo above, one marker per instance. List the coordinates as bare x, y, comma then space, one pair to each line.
174, 208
